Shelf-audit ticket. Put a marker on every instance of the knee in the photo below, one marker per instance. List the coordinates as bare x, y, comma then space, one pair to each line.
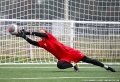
60, 65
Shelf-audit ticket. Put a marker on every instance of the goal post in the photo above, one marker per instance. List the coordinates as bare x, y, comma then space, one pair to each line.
101, 43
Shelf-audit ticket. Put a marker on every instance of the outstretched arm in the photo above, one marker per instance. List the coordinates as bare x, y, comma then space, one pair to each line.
23, 35
37, 34
35, 43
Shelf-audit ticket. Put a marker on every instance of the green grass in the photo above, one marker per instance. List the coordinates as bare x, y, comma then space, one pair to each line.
50, 73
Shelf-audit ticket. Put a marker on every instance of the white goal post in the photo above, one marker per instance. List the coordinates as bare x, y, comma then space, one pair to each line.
101, 43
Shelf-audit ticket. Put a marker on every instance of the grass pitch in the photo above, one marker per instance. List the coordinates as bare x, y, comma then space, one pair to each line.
50, 73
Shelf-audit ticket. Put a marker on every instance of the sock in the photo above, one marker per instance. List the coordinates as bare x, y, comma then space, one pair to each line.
73, 64
105, 66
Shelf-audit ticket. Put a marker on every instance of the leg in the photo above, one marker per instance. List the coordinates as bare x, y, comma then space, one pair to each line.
65, 65
92, 61
97, 63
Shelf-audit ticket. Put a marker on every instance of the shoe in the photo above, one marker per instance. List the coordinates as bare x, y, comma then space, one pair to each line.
111, 69
76, 69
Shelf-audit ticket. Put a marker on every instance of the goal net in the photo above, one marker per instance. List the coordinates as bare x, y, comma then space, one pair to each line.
91, 26
101, 43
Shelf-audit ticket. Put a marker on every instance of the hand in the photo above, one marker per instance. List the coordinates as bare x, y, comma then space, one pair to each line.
24, 31
22, 34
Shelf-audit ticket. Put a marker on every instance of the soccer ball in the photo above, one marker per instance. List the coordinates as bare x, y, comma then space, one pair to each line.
13, 29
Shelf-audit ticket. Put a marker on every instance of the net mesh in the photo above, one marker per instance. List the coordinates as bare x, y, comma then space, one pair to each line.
102, 10
101, 43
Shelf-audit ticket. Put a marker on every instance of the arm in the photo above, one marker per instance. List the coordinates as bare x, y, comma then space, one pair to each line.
35, 43
37, 34
23, 35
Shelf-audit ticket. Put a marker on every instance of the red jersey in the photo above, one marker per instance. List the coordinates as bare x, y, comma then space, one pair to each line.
60, 51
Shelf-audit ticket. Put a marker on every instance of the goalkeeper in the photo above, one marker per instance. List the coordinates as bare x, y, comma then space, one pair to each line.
64, 54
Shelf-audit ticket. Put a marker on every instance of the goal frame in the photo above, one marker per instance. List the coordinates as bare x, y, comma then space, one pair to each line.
71, 38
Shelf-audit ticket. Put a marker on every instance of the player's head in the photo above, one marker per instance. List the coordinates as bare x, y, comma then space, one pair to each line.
43, 31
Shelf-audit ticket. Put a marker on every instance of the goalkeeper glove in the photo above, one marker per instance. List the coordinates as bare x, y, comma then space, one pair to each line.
22, 34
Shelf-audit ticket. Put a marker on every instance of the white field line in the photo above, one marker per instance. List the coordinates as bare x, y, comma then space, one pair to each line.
42, 67
58, 78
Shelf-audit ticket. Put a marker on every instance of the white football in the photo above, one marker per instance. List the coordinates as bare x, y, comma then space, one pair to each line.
13, 29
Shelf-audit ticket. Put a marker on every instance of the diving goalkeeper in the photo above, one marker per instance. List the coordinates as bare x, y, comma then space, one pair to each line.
64, 54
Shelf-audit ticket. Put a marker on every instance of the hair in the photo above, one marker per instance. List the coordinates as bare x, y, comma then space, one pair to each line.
38, 30
44, 30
